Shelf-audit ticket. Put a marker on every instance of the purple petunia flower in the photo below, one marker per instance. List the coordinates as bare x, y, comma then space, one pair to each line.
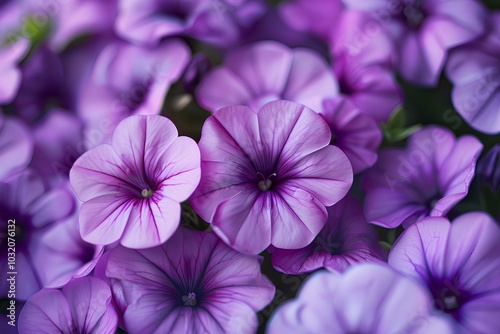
356, 134
268, 71
459, 263
345, 240
193, 283
128, 80
81, 306
423, 31
25, 200
367, 298
132, 188
427, 178
268, 175
16, 146
474, 70
213, 21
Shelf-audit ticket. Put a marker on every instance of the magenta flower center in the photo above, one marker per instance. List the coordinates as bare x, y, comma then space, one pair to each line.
190, 299
265, 184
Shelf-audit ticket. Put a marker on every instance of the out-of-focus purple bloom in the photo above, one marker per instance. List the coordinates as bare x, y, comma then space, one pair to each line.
488, 168
43, 86
474, 70
423, 31
213, 21
459, 263
62, 254
128, 80
193, 283
84, 305
23, 198
367, 298
345, 240
268, 71
75, 18
58, 143
132, 188
319, 17
356, 134
268, 175
372, 88
16, 146
198, 67
10, 56
427, 178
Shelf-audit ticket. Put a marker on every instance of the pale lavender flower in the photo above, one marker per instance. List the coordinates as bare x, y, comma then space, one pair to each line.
133, 187
367, 298
10, 56
459, 263
268, 71
267, 176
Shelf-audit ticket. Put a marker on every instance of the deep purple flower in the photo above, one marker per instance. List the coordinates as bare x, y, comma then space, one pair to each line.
212, 21
10, 56
345, 240
268, 71
193, 283
423, 31
427, 178
16, 146
58, 143
474, 70
268, 175
132, 188
128, 80
43, 86
367, 298
488, 168
356, 134
81, 306
24, 198
459, 263
319, 17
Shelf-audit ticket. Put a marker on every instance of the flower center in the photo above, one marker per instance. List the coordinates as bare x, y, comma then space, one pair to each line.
190, 299
147, 193
265, 184
414, 14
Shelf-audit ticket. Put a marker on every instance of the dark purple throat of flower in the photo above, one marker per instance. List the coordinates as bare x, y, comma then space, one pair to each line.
265, 184
413, 13
190, 299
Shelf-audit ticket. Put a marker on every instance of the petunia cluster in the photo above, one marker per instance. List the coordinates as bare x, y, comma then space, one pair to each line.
249, 166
